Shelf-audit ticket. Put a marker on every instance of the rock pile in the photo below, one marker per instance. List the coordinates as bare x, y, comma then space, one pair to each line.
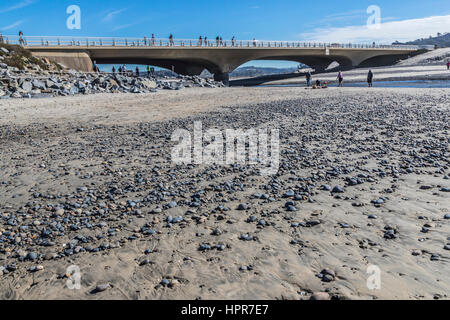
35, 82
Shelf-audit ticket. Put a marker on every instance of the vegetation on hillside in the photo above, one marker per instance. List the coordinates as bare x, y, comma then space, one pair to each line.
441, 40
21, 58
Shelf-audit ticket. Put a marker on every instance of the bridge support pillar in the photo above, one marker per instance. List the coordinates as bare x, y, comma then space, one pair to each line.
222, 76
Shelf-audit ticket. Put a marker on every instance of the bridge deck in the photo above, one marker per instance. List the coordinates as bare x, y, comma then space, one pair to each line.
88, 42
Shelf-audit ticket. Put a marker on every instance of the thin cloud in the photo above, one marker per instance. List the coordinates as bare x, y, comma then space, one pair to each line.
19, 5
110, 16
12, 26
344, 16
124, 26
404, 30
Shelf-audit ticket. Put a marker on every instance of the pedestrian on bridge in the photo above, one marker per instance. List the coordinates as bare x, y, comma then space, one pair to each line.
233, 40
171, 40
153, 39
217, 41
221, 41
200, 41
206, 41
21, 41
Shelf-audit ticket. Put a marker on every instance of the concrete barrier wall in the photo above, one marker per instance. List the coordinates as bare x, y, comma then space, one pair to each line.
80, 61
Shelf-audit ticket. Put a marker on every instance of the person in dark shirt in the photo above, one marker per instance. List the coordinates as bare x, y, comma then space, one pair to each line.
308, 79
370, 78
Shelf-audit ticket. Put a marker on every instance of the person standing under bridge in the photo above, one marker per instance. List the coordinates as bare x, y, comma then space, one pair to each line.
308, 79
370, 78
340, 78
148, 71
448, 64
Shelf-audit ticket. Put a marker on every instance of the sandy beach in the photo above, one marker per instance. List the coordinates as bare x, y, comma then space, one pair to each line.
390, 73
88, 181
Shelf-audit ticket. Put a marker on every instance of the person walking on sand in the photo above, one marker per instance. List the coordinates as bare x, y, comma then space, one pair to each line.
370, 78
308, 79
340, 78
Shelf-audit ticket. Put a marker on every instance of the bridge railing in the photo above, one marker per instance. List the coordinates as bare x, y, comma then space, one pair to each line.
36, 41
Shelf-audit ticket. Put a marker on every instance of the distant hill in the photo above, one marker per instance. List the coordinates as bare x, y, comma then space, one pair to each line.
441, 40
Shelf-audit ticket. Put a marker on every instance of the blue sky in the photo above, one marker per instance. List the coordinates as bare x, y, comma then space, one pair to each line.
321, 20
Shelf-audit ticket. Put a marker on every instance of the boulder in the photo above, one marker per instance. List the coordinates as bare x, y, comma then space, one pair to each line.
27, 86
39, 85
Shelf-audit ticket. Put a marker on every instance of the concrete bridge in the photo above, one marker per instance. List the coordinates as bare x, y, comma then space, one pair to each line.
190, 57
